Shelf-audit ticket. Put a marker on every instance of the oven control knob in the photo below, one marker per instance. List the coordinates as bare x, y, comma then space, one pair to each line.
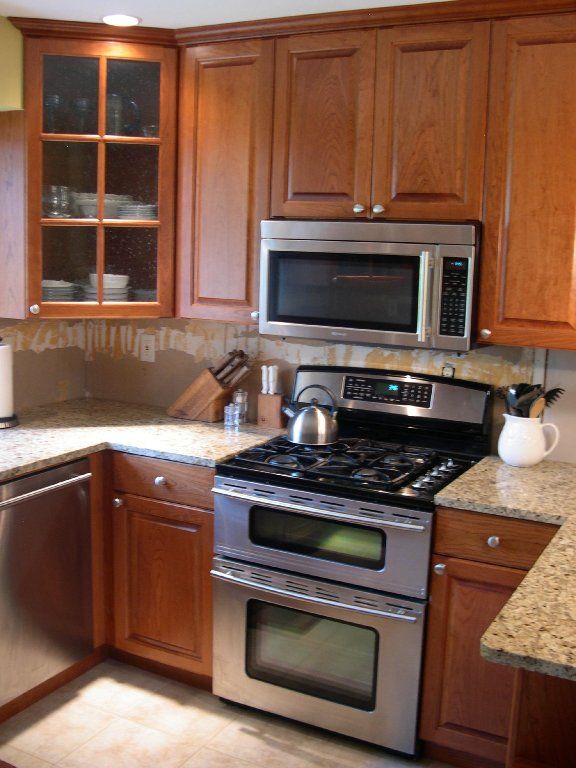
450, 464
417, 484
444, 468
435, 473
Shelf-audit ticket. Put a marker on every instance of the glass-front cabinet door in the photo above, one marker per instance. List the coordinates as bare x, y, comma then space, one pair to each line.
101, 178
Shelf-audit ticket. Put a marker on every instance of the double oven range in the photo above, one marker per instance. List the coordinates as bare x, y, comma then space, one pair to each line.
322, 553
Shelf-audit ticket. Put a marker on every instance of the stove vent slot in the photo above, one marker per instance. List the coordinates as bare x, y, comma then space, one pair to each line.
367, 512
235, 485
332, 504
261, 578
295, 586
262, 492
404, 515
325, 595
365, 602
301, 498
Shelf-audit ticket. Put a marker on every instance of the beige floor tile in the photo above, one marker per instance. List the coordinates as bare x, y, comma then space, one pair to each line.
53, 727
210, 758
113, 687
129, 745
183, 711
20, 759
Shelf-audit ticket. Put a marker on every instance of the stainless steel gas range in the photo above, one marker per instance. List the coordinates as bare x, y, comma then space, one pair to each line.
322, 553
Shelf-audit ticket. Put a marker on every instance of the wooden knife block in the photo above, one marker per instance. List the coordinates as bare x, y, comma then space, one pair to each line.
203, 400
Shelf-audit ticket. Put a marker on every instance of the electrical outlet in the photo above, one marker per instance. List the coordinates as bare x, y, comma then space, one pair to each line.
148, 348
448, 371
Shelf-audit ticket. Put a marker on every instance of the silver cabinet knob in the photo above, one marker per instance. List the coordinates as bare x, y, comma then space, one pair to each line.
117, 502
440, 569
255, 315
493, 541
377, 208
34, 309
160, 480
358, 208
485, 333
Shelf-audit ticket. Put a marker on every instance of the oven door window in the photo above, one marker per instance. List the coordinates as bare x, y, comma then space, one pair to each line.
316, 537
312, 654
344, 290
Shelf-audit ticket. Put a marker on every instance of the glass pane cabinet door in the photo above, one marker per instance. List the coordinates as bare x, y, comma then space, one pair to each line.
70, 95
132, 98
101, 177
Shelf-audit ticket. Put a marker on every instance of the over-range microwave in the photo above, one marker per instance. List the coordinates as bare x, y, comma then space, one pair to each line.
408, 284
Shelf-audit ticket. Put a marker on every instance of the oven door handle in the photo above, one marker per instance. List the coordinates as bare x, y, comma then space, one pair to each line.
309, 599
424, 295
312, 511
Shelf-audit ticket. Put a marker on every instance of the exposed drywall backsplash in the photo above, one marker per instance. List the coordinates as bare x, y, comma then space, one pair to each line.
49, 361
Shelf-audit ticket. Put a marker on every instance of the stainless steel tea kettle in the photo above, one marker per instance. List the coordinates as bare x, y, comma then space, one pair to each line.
315, 424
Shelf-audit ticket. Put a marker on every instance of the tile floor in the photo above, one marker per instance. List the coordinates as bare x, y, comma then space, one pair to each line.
116, 716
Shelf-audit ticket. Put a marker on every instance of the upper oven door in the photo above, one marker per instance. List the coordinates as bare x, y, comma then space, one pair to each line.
384, 548
361, 291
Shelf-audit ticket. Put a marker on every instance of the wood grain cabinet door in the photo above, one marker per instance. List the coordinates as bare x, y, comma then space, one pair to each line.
467, 701
324, 92
162, 593
429, 130
528, 269
224, 176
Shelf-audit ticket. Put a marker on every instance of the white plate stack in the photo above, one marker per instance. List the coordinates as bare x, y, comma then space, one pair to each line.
144, 294
58, 290
139, 211
115, 288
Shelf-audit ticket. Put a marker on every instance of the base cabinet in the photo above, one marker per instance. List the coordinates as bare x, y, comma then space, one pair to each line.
162, 596
467, 701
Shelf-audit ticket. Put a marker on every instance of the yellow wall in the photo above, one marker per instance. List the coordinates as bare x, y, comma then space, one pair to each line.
11, 67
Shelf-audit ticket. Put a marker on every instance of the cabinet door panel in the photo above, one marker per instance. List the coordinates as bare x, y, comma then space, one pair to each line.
466, 700
225, 136
162, 610
528, 277
431, 101
323, 124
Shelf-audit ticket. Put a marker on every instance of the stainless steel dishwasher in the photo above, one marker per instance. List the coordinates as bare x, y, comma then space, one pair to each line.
45, 576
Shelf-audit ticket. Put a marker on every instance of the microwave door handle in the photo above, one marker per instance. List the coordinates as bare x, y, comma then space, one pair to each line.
424, 295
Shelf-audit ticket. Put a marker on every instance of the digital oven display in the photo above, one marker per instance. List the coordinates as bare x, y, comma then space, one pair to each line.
391, 389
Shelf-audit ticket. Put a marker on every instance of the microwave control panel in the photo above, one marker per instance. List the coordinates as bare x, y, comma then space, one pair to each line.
454, 299
370, 390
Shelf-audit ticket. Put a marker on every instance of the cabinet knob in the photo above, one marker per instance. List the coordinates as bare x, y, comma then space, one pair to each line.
34, 309
485, 333
160, 480
493, 541
255, 315
358, 208
117, 502
440, 569
377, 208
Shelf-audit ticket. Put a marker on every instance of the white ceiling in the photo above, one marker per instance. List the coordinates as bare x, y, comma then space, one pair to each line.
184, 13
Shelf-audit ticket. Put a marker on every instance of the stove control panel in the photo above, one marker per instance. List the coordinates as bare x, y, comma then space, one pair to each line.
400, 392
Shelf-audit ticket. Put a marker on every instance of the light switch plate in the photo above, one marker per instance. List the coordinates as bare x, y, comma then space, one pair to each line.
148, 348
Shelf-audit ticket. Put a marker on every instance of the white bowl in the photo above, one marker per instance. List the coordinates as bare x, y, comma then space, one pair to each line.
88, 210
110, 281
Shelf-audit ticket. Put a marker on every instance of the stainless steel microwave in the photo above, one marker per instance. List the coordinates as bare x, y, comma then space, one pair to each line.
408, 284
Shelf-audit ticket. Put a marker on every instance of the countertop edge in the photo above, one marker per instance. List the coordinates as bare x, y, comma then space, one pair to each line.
522, 661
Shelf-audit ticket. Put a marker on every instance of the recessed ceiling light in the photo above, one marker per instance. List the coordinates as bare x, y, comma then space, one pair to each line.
121, 20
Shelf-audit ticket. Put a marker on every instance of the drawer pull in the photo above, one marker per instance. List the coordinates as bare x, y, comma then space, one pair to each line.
117, 502
160, 480
440, 569
493, 541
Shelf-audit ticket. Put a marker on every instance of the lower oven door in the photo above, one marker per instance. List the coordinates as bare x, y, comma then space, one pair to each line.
381, 547
336, 657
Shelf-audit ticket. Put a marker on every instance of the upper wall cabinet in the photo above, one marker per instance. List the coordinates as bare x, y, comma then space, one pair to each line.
528, 275
224, 185
98, 143
387, 124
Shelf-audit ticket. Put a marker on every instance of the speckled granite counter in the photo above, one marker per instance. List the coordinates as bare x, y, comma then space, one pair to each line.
64, 431
536, 629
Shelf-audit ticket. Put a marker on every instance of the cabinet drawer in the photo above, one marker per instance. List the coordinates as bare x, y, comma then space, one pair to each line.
514, 543
165, 480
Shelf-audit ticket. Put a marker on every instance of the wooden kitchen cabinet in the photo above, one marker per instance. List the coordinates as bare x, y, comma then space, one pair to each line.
387, 124
95, 151
528, 270
224, 183
162, 593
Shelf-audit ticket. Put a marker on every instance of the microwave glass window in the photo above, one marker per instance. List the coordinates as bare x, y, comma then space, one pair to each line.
312, 654
321, 539
345, 290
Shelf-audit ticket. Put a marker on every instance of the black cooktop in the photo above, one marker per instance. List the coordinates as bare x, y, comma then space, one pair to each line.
355, 467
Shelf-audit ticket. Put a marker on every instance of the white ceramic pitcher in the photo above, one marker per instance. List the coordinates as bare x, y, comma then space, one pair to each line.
522, 442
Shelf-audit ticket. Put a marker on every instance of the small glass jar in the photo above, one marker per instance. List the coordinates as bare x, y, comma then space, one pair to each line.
240, 399
231, 416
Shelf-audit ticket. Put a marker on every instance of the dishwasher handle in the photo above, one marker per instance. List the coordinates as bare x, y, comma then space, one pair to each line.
48, 489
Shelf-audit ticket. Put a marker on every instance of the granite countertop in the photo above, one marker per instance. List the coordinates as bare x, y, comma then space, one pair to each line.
62, 432
536, 629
